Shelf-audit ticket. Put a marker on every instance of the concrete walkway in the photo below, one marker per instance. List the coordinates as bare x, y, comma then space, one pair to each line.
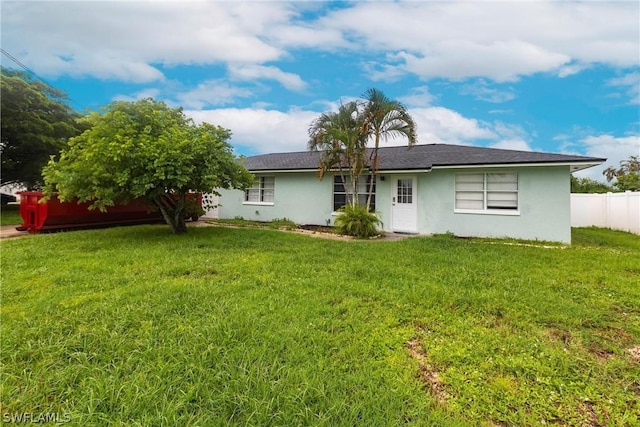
8, 231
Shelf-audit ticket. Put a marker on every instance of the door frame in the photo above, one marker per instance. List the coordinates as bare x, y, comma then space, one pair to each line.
394, 191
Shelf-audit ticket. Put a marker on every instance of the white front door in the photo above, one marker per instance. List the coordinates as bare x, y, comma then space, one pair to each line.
404, 201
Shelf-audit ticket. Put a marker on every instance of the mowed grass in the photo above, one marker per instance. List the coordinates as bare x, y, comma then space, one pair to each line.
10, 215
134, 326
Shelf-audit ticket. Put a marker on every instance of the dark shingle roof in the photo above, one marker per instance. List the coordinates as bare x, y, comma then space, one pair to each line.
422, 157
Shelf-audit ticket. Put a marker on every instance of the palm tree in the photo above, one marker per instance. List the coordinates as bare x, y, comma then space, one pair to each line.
338, 136
384, 118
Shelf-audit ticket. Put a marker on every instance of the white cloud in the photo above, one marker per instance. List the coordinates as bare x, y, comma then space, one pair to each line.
212, 93
254, 72
613, 148
442, 125
462, 59
570, 70
630, 83
509, 131
500, 111
512, 144
122, 40
145, 93
499, 41
261, 131
510, 137
419, 97
483, 91
496, 40
299, 36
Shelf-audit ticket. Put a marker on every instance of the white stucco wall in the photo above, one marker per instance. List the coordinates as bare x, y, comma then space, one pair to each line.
543, 214
301, 197
543, 206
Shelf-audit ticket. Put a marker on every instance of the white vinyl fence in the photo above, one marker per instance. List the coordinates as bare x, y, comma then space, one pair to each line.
620, 211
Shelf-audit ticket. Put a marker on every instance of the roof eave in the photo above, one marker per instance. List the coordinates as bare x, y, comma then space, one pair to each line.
580, 166
574, 165
380, 171
282, 170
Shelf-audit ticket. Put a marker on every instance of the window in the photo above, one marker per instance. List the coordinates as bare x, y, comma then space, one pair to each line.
487, 191
261, 191
340, 194
405, 190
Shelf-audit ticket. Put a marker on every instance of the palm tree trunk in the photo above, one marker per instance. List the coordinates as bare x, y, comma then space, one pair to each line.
354, 189
344, 186
373, 169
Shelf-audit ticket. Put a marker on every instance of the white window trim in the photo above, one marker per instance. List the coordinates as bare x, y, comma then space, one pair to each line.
258, 203
250, 203
364, 181
488, 211
504, 212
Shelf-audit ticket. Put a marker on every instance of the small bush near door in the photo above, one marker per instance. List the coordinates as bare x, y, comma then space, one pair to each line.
357, 221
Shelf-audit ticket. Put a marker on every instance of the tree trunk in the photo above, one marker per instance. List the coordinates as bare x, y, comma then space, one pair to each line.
348, 199
370, 189
354, 190
373, 168
172, 211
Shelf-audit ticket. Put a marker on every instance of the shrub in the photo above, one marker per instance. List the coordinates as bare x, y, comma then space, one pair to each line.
357, 221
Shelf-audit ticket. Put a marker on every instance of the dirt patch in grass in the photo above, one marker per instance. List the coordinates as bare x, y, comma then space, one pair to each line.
428, 375
587, 409
601, 354
617, 335
561, 335
605, 339
601, 342
635, 353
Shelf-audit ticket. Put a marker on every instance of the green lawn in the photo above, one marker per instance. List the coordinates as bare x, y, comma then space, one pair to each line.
10, 215
134, 326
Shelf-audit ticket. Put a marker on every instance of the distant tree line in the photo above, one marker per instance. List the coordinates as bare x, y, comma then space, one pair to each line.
37, 123
627, 178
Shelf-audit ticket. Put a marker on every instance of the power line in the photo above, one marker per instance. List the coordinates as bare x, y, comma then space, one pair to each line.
21, 65
33, 73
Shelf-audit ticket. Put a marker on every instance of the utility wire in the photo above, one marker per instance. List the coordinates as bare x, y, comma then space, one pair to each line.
21, 65
33, 73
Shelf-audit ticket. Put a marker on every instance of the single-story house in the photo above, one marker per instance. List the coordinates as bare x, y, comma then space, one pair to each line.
427, 189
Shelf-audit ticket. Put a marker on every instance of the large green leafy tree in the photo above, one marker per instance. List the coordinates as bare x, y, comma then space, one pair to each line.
627, 176
36, 124
145, 150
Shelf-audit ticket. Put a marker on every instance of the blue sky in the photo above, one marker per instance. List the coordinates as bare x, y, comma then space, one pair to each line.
545, 76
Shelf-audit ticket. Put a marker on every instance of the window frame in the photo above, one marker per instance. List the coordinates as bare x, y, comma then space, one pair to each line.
486, 192
403, 192
263, 188
337, 182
